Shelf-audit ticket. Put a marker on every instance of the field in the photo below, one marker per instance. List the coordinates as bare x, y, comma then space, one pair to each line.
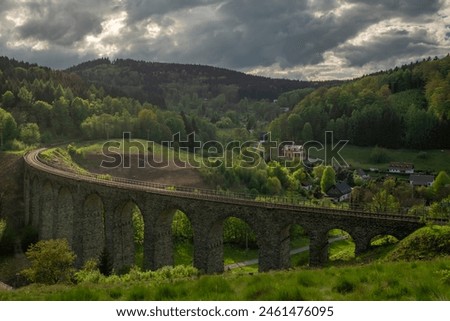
424, 161
146, 165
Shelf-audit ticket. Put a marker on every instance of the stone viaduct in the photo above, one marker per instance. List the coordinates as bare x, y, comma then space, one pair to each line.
96, 215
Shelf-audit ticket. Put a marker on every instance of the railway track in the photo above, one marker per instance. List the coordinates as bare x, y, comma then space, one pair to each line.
32, 159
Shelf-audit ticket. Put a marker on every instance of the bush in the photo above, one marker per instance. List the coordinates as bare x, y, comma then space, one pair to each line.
51, 262
89, 273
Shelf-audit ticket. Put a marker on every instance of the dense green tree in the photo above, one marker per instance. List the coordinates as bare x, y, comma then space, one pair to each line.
420, 127
8, 99
148, 123
30, 134
328, 179
42, 113
275, 169
79, 111
8, 127
442, 180
25, 97
61, 122
318, 172
384, 202
441, 208
273, 186
175, 123
225, 122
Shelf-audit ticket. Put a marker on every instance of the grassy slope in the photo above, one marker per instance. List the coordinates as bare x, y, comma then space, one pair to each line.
426, 243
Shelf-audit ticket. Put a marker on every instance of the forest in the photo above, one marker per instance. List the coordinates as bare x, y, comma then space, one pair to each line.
42, 105
408, 106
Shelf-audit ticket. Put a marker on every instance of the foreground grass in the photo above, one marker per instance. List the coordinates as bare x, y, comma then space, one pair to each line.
427, 280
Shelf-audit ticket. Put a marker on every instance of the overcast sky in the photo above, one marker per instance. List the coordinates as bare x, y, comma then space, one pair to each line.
299, 39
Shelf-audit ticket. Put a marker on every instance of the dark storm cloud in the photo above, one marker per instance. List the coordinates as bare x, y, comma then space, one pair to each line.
5, 5
261, 33
403, 8
238, 34
400, 43
63, 22
245, 34
141, 9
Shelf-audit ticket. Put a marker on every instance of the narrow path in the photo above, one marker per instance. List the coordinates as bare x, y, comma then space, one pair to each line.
293, 252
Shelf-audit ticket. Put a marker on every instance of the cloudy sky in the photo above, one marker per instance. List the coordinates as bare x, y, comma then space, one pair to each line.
299, 39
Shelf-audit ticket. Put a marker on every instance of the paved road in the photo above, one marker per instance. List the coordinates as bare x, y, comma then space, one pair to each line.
293, 252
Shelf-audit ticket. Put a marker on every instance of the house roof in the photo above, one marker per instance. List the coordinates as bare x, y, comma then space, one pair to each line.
293, 147
401, 166
421, 179
339, 190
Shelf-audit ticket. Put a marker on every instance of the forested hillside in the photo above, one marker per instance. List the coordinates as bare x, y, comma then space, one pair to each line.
100, 99
169, 84
39, 104
404, 107
407, 106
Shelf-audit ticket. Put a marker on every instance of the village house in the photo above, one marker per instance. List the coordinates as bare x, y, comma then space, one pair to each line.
421, 180
361, 173
339, 192
293, 151
401, 168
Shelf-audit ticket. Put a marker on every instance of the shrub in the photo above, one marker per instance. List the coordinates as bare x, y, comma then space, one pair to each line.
89, 273
51, 262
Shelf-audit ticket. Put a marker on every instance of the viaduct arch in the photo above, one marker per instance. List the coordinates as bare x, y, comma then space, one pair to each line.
95, 216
